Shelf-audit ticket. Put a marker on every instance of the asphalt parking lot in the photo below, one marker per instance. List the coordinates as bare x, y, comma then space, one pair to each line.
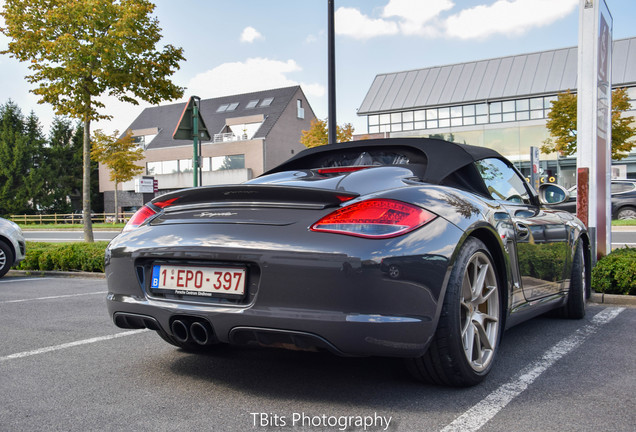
65, 366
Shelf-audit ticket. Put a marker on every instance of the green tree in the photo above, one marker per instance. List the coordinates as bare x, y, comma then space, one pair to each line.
36, 163
14, 160
317, 134
119, 155
63, 170
562, 125
79, 50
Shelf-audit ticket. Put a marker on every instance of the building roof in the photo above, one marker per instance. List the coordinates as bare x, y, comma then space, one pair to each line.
166, 117
545, 72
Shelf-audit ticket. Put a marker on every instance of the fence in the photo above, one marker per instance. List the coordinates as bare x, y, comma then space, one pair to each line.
70, 218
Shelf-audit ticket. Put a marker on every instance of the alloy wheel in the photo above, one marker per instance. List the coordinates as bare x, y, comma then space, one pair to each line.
479, 312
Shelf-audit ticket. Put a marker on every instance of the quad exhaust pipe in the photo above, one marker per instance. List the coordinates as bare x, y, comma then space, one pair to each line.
195, 330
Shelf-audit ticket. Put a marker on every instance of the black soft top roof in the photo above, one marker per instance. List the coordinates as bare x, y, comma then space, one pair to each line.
442, 158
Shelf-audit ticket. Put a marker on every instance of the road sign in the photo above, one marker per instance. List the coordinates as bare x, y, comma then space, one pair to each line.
185, 127
192, 127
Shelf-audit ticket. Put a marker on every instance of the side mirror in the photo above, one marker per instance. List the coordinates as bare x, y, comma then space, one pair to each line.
550, 194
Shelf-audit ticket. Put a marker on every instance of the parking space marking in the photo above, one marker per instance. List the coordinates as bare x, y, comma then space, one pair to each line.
24, 280
477, 416
53, 297
69, 345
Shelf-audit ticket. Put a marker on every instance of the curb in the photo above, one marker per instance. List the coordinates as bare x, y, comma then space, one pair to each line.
74, 274
624, 228
613, 299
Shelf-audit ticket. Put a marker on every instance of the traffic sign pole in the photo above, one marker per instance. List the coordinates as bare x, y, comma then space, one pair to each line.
195, 139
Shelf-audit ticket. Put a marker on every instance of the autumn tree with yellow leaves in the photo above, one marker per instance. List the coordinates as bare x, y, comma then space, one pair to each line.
562, 124
317, 134
79, 50
119, 155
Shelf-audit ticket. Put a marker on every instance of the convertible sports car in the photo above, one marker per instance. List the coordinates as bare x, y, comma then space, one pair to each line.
411, 247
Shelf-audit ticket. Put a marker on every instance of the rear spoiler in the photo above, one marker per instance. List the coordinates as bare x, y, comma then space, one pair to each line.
256, 195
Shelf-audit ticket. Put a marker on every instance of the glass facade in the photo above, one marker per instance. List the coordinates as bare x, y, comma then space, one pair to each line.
462, 115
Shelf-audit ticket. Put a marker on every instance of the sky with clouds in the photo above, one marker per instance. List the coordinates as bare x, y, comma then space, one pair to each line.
249, 45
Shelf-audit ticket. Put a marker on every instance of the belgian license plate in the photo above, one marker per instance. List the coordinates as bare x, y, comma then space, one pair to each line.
199, 281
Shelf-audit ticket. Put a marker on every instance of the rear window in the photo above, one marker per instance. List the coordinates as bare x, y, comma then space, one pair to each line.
368, 157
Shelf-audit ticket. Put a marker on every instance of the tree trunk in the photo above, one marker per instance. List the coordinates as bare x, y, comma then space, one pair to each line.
86, 190
116, 203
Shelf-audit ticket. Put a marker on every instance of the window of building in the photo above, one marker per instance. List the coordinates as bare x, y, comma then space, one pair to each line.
230, 162
162, 167
185, 165
300, 111
495, 108
153, 168
232, 106
251, 104
170, 167
222, 108
464, 115
267, 102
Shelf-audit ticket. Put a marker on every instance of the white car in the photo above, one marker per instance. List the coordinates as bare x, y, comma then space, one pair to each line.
12, 245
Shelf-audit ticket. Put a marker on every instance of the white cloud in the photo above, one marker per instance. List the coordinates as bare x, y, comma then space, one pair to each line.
427, 18
510, 17
415, 15
254, 74
351, 22
123, 114
250, 34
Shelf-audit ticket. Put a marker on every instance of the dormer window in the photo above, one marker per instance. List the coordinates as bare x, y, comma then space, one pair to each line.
227, 107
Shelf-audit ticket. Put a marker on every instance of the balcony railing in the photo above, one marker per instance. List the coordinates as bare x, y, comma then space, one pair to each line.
224, 137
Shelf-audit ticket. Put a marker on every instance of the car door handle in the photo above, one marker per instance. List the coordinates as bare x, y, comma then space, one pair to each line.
522, 231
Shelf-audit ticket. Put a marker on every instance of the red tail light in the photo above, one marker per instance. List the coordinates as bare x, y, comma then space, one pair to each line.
341, 170
145, 213
374, 218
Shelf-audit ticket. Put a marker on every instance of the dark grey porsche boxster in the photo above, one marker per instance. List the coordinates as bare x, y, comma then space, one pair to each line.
412, 247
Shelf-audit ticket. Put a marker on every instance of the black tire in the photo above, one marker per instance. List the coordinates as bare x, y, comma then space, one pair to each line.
626, 213
6, 258
579, 289
468, 333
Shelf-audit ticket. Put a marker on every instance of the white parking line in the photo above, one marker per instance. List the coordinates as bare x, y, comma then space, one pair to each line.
69, 345
477, 416
24, 280
53, 297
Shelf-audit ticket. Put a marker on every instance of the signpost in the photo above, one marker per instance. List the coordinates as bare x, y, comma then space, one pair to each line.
594, 131
192, 127
535, 175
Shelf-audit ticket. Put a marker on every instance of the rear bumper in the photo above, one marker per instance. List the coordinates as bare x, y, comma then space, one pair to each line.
368, 297
342, 334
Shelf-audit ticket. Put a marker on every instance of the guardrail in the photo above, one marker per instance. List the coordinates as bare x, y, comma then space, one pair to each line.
70, 218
